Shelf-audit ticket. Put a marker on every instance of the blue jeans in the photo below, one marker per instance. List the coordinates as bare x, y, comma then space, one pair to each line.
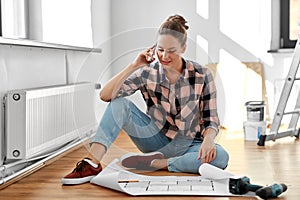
181, 152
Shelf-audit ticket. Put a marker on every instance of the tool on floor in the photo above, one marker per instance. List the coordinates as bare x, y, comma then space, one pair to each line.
292, 129
271, 191
242, 185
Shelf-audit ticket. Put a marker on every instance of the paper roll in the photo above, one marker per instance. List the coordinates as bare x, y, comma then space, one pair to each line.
211, 172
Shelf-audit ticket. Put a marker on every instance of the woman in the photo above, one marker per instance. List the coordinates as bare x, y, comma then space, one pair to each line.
177, 133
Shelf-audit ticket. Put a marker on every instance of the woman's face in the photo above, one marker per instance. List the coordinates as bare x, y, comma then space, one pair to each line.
169, 50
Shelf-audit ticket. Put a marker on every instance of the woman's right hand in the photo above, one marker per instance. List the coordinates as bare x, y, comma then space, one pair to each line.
145, 57
110, 89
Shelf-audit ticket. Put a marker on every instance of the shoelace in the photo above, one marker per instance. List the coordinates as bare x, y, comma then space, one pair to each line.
80, 166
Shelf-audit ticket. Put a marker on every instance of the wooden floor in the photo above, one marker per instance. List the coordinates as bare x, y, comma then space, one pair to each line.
276, 162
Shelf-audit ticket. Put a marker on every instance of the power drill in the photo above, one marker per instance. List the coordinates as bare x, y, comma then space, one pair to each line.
242, 185
271, 191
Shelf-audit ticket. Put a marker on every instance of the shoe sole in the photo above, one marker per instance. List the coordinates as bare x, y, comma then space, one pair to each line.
128, 155
76, 181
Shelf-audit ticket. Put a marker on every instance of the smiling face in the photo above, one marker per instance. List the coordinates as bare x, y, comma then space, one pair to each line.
169, 51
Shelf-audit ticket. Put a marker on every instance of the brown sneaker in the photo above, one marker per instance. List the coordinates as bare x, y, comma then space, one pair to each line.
140, 161
83, 173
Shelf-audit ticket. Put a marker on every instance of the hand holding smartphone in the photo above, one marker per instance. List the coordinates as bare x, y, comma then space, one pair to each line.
150, 54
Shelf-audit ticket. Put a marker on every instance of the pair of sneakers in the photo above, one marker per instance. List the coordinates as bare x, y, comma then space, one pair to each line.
85, 169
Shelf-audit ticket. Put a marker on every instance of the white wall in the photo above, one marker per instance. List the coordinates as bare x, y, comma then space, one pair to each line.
134, 27
24, 67
227, 32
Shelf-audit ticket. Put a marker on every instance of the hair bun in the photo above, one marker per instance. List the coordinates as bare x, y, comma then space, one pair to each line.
180, 20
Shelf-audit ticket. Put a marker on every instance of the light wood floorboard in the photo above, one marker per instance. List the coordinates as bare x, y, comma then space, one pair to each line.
276, 162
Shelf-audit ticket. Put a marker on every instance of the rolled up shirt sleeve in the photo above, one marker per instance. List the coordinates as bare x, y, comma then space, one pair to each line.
130, 85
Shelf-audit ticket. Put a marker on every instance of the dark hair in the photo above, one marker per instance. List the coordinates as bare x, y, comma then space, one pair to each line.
176, 26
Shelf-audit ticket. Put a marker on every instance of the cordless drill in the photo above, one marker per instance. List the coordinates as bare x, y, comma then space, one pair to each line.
271, 191
242, 185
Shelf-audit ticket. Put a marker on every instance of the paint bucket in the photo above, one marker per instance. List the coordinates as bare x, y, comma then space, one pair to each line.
255, 110
253, 130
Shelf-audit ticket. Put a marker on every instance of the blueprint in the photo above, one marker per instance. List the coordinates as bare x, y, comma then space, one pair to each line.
213, 182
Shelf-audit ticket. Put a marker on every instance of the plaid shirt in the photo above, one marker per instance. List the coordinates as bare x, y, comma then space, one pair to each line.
195, 98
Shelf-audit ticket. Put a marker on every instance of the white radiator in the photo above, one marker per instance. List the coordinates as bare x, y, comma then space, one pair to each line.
42, 119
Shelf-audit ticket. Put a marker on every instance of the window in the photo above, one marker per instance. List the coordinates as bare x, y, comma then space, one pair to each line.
289, 23
65, 22
14, 19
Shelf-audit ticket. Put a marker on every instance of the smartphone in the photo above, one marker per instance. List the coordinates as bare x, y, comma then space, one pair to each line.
152, 54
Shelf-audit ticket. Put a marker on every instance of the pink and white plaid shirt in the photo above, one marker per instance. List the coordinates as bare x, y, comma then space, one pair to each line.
195, 98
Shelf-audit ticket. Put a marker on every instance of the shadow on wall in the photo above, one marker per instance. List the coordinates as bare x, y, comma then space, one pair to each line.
234, 43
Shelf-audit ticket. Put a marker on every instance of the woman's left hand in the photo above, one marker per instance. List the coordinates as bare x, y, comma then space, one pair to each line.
207, 151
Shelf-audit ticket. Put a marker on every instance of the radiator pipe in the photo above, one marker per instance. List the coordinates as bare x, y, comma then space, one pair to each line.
37, 165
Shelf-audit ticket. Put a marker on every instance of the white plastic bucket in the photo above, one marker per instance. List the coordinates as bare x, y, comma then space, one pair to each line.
253, 130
